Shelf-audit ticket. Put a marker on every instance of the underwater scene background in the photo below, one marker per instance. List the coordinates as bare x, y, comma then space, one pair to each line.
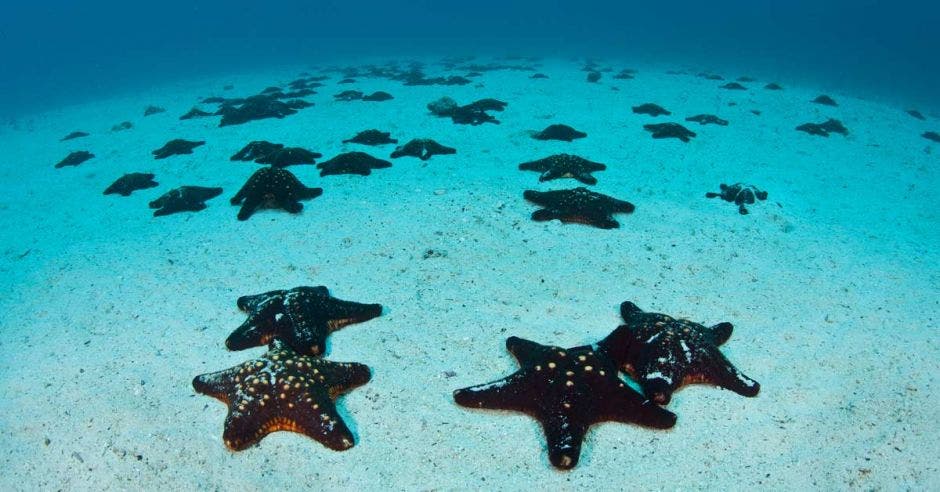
462, 245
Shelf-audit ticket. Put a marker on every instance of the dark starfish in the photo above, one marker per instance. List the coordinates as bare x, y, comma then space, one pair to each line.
578, 205
593, 77
152, 110
567, 391
289, 156
352, 163
651, 109
470, 115
707, 119
625, 74
176, 147
932, 136
184, 199
444, 106
256, 149
559, 132
487, 104
284, 390
347, 81
734, 86
916, 114
773, 86
302, 317
824, 129
564, 166
273, 187
422, 148
378, 96
257, 108
127, 184
195, 113
538, 76
670, 130
371, 137
75, 158
348, 96
120, 127
74, 135
825, 100
739, 194
663, 353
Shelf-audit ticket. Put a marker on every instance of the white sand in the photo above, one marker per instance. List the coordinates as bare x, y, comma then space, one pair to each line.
832, 285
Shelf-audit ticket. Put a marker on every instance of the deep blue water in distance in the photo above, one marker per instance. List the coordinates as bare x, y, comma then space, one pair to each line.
56, 52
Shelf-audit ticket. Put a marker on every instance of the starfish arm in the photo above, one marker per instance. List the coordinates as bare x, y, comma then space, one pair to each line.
504, 394
628, 406
564, 434
618, 345
218, 385
309, 193
254, 302
250, 204
628, 309
545, 214
342, 313
323, 424
720, 372
341, 377
720, 333
528, 352
252, 333
242, 193
290, 204
602, 220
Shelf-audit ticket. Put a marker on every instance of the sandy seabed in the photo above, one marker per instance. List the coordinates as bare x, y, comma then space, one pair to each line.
833, 286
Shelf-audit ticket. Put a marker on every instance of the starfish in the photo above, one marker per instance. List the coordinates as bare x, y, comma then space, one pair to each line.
348, 96
564, 166
371, 137
559, 132
916, 114
579, 205
288, 156
273, 187
663, 353
739, 194
352, 163
176, 147
707, 119
734, 86
258, 107
670, 130
567, 391
284, 390
74, 135
184, 199
825, 128
256, 149
302, 317
422, 148
932, 136
75, 158
651, 109
127, 184
152, 110
825, 100
773, 86
378, 96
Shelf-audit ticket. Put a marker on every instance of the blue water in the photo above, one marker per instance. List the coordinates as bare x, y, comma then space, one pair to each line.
55, 52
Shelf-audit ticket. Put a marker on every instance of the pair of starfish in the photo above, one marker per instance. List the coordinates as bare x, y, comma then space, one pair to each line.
290, 387
568, 390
